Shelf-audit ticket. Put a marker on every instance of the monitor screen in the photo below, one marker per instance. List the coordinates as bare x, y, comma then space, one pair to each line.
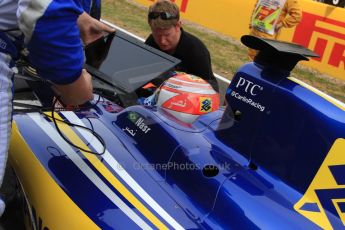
125, 62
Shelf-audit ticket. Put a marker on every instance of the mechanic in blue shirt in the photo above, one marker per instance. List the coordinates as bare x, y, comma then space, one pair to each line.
53, 33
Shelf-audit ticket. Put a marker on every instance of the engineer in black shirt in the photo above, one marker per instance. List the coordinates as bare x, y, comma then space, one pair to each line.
168, 36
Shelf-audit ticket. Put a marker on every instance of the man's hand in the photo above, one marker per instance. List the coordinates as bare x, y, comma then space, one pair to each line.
91, 29
278, 27
76, 93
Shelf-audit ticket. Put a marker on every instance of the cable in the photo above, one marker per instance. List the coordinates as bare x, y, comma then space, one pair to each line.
42, 110
95, 134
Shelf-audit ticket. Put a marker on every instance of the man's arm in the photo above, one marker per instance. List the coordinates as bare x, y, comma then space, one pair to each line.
294, 14
53, 39
76, 93
80, 91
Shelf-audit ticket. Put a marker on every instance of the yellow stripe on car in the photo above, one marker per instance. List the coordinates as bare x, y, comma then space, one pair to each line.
51, 201
71, 135
332, 100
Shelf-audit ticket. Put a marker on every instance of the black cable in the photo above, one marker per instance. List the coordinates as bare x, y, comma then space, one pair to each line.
42, 110
93, 105
98, 100
95, 134
100, 139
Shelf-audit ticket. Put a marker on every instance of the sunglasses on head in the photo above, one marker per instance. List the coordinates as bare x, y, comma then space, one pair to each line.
162, 15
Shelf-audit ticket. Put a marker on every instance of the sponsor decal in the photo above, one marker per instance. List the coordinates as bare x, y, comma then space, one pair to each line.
324, 201
133, 116
249, 101
205, 104
324, 36
179, 103
173, 86
132, 132
139, 122
249, 87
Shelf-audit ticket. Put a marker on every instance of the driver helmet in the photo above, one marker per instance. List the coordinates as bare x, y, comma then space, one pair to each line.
186, 97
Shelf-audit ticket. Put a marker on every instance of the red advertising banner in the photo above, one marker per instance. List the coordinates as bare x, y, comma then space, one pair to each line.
322, 28
324, 36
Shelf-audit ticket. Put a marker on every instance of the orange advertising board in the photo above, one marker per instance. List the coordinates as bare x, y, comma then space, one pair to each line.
322, 28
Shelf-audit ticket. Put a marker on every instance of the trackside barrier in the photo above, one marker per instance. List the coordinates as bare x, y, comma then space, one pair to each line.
322, 28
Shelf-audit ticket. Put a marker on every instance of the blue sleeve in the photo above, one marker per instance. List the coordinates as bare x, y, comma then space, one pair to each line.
92, 7
86, 5
55, 46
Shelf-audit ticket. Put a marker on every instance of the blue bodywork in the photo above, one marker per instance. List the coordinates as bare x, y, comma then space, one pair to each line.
244, 166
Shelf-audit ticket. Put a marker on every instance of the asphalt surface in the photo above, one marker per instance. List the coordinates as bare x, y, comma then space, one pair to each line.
13, 218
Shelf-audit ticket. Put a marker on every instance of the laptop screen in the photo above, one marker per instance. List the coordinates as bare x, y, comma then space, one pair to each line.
126, 63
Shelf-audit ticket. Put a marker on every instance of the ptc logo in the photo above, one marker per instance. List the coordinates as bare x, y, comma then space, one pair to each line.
249, 86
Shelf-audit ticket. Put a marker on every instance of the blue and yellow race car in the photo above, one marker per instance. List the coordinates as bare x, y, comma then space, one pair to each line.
273, 157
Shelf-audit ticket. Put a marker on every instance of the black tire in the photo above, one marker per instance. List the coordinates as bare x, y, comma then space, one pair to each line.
338, 3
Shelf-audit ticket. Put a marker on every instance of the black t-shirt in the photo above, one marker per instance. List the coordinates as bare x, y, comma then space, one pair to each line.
195, 57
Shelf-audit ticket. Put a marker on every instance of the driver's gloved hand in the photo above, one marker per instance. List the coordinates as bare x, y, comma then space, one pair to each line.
148, 101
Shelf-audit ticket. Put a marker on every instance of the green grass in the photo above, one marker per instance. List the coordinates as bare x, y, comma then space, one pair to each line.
126, 15
227, 54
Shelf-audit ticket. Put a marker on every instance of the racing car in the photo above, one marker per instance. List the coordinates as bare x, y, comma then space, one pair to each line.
273, 157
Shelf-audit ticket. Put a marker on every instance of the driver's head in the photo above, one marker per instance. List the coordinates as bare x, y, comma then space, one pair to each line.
164, 20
